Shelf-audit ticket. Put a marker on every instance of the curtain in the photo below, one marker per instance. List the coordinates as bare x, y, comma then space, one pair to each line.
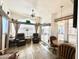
16, 27
36, 27
37, 20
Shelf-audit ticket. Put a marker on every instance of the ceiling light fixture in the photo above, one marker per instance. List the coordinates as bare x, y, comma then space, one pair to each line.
61, 9
33, 14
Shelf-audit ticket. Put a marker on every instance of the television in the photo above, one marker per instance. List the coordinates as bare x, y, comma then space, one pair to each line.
75, 13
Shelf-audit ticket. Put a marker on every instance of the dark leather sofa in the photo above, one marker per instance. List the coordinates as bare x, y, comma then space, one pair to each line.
20, 39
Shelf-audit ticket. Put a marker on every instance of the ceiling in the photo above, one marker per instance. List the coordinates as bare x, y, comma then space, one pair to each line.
21, 9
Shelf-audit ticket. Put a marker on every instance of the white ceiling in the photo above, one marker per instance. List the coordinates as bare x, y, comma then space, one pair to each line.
44, 8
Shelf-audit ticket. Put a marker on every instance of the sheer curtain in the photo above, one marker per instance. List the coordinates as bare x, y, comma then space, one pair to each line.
16, 27
12, 30
46, 32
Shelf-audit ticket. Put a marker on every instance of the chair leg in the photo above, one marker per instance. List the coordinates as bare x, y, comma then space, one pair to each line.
54, 51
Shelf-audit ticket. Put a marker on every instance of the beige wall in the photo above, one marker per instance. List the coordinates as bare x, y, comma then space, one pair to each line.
0, 32
46, 8
54, 26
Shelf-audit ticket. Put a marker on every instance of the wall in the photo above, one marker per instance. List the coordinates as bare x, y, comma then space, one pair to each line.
46, 8
0, 32
54, 26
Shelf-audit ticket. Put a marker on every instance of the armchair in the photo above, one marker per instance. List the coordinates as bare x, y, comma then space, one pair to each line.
20, 39
36, 38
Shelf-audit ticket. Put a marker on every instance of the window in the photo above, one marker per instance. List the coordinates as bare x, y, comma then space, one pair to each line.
28, 30
61, 30
66, 31
72, 32
46, 32
4, 25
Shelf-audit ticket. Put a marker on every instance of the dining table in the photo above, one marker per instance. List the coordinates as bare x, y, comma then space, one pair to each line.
59, 42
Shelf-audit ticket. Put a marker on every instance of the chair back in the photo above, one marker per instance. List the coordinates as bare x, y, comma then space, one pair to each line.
35, 35
52, 38
66, 52
20, 36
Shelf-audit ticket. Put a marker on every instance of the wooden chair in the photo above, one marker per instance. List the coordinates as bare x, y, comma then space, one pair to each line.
53, 38
66, 52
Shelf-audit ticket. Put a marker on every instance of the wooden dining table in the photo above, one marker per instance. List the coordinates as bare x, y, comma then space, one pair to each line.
58, 42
